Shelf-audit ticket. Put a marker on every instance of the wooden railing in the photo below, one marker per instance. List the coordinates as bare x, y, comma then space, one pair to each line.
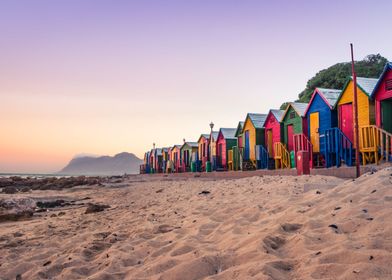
282, 156
374, 144
262, 157
336, 147
302, 143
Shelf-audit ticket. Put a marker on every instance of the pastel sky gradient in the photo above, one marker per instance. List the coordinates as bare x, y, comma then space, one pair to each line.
104, 77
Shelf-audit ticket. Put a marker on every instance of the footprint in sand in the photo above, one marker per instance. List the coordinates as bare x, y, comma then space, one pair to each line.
182, 250
95, 250
279, 269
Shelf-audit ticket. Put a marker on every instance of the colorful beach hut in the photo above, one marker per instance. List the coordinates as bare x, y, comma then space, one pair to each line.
203, 148
321, 115
294, 123
273, 130
225, 142
255, 154
189, 154
212, 148
382, 95
295, 130
238, 149
175, 157
366, 114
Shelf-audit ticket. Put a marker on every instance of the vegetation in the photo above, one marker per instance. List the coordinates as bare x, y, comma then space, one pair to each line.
335, 76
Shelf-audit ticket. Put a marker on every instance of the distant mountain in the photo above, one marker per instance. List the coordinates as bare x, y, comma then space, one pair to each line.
103, 165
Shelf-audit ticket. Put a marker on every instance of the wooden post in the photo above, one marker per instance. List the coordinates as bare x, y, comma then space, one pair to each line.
356, 128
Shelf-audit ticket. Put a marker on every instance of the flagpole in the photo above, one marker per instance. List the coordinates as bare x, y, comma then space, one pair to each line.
356, 126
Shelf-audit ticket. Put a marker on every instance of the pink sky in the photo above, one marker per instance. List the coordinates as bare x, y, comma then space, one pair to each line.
104, 77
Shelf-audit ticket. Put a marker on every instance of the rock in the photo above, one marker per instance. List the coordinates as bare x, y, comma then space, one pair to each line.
164, 229
204, 192
159, 191
10, 190
93, 208
47, 263
16, 209
50, 204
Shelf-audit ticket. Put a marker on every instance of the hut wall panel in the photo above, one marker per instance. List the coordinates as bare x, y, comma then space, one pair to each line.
297, 123
276, 127
366, 110
381, 95
252, 138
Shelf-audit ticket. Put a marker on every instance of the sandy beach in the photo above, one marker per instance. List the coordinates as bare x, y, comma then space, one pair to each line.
308, 227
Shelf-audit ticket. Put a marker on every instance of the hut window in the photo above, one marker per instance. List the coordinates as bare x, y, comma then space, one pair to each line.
292, 115
388, 84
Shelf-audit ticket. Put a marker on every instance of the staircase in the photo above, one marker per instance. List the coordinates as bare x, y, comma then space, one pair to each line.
336, 148
261, 157
302, 143
282, 156
375, 144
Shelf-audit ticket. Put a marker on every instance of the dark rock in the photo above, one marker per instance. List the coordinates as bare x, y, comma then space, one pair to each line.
61, 213
369, 219
159, 191
18, 277
337, 208
164, 229
93, 208
10, 190
318, 192
291, 227
364, 210
50, 204
371, 258
333, 226
204, 192
47, 263
373, 191
16, 209
318, 253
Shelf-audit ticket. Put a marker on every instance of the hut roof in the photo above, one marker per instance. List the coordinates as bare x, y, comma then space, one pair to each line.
387, 67
228, 133
205, 135
240, 126
330, 96
257, 120
215, 135
190, 144
298, 107
278, 114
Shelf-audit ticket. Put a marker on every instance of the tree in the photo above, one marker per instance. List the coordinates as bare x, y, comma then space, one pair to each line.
335, 76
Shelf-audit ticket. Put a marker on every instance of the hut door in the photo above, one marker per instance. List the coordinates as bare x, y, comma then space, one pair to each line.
386, 115
290, 136
346, 120
314, 131
246, 154
270, 142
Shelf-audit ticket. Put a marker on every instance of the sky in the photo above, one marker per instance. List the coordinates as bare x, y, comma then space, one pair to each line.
103, 77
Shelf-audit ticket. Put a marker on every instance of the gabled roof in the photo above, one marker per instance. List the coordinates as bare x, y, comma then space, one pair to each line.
240, 126
278, 114
257, 120
215, 135
158, 151
228, 133
190, 144
205, 135
330, 97
367, 85
176, 146
299, 108
387, 67
165, 149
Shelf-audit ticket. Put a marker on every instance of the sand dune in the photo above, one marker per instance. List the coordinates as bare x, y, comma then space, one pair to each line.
308, 227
